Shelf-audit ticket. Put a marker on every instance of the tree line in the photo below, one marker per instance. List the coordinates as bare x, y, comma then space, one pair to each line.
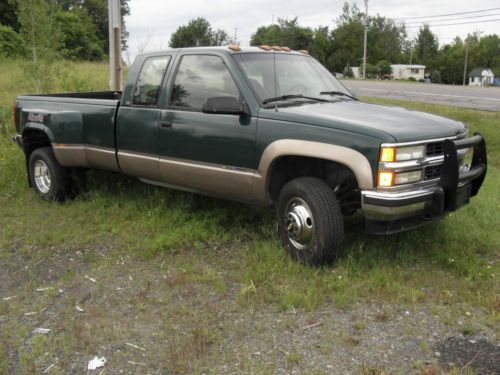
340, 47
72, 29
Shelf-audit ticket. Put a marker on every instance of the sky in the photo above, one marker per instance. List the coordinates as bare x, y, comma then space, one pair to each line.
153, 21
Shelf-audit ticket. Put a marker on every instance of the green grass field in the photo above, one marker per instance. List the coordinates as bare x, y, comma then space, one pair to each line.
164, 260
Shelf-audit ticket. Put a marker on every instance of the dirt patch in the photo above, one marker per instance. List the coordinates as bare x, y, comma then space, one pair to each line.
480, 355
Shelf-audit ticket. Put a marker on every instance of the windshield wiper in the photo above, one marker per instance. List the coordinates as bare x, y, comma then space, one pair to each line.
340, 93
291, 96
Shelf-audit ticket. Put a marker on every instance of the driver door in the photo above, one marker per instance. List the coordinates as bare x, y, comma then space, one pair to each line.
211, 153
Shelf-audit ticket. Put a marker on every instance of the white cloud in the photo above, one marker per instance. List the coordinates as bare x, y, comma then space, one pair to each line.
156, 20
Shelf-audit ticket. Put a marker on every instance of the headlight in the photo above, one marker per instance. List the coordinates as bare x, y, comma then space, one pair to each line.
407, 177
391, 154
410, 153
389, 178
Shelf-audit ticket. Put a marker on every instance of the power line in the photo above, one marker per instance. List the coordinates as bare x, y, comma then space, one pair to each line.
455, 24
452, 19
449, 14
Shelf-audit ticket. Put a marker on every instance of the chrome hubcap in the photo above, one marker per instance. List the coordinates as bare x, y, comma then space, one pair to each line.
42, 177
299, 223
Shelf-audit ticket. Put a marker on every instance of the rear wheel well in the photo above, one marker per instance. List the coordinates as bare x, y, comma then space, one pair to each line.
33, 139
339, 177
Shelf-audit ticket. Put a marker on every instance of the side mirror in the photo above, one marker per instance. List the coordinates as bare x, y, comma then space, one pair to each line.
225, 105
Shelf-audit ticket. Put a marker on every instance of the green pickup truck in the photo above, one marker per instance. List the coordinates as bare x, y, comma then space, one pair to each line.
263, 125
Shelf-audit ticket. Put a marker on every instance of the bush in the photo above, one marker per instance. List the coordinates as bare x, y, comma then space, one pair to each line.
384, 68
348, 72
436, 76
11, 44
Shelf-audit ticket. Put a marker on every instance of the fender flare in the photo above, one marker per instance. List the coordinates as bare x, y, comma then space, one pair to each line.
348, 157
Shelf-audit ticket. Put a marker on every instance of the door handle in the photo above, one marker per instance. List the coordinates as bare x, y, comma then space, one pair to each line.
166, 124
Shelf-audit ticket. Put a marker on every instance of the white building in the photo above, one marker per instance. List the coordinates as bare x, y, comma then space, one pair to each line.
357, 72
403, 71
481, 77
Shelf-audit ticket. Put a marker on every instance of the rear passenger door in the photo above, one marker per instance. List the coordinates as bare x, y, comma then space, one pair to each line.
137, 121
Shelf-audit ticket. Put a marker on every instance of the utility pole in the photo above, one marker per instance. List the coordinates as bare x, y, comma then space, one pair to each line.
235, 34
115, 45
465, 62
364, 47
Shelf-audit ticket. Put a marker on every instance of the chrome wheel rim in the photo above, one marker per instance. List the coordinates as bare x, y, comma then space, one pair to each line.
42, 177
299, 223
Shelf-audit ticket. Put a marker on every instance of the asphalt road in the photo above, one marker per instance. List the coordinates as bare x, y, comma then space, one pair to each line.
484, 98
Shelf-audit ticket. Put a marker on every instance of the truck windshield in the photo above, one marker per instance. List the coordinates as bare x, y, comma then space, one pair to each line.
275, 75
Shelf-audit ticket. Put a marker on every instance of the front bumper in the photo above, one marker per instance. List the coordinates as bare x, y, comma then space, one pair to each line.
398, 210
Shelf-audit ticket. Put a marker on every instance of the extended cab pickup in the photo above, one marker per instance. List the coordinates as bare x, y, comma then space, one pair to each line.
267, 126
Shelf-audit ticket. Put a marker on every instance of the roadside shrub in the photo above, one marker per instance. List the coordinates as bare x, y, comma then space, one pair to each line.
11, 44
436, 76
412, 79
384, 67
348, 72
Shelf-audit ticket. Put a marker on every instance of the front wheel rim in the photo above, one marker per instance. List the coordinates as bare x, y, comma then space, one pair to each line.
43, 179
299, 223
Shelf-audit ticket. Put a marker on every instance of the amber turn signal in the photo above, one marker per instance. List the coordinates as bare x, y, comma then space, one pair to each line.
387, 154
385, 179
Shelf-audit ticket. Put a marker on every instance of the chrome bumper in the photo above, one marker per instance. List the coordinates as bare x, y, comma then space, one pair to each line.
392, 211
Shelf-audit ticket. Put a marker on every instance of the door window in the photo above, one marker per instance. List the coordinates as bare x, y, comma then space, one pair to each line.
149, 81
201, 77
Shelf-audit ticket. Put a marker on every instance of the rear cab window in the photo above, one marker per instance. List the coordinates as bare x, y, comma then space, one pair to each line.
150, 78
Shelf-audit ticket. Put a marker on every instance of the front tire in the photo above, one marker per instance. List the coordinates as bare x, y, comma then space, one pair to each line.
310, 221
49, 179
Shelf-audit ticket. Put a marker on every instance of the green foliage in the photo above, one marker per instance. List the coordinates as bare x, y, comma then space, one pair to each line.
426, 48
8, 14
42, 39
197, 33
321, 47
348, 72
383, 67
436, 76
79, 38
288, 32
11, 44
371, 71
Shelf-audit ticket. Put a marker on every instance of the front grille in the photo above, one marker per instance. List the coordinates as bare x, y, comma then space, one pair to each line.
434, 149
433, 171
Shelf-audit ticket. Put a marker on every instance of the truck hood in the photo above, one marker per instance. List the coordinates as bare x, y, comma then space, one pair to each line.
375, 120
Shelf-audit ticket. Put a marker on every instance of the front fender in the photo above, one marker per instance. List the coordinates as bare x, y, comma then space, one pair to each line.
350, 158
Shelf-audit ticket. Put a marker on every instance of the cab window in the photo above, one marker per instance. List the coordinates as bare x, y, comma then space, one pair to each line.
198, 78
149, 81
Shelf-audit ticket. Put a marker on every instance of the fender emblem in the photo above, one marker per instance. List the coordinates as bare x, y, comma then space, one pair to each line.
35, 117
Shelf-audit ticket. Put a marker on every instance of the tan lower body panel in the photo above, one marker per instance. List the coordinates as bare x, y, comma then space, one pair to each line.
209, 178
139, 165
86, 156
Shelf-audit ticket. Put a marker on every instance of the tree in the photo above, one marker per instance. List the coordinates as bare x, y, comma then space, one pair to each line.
42, 39
347, 39
426, 48
197, 33
348, 72
436, 76
8, 14
98, 11
11, 44
450, 62
321, 47
287, 32
79, 37
383, 67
